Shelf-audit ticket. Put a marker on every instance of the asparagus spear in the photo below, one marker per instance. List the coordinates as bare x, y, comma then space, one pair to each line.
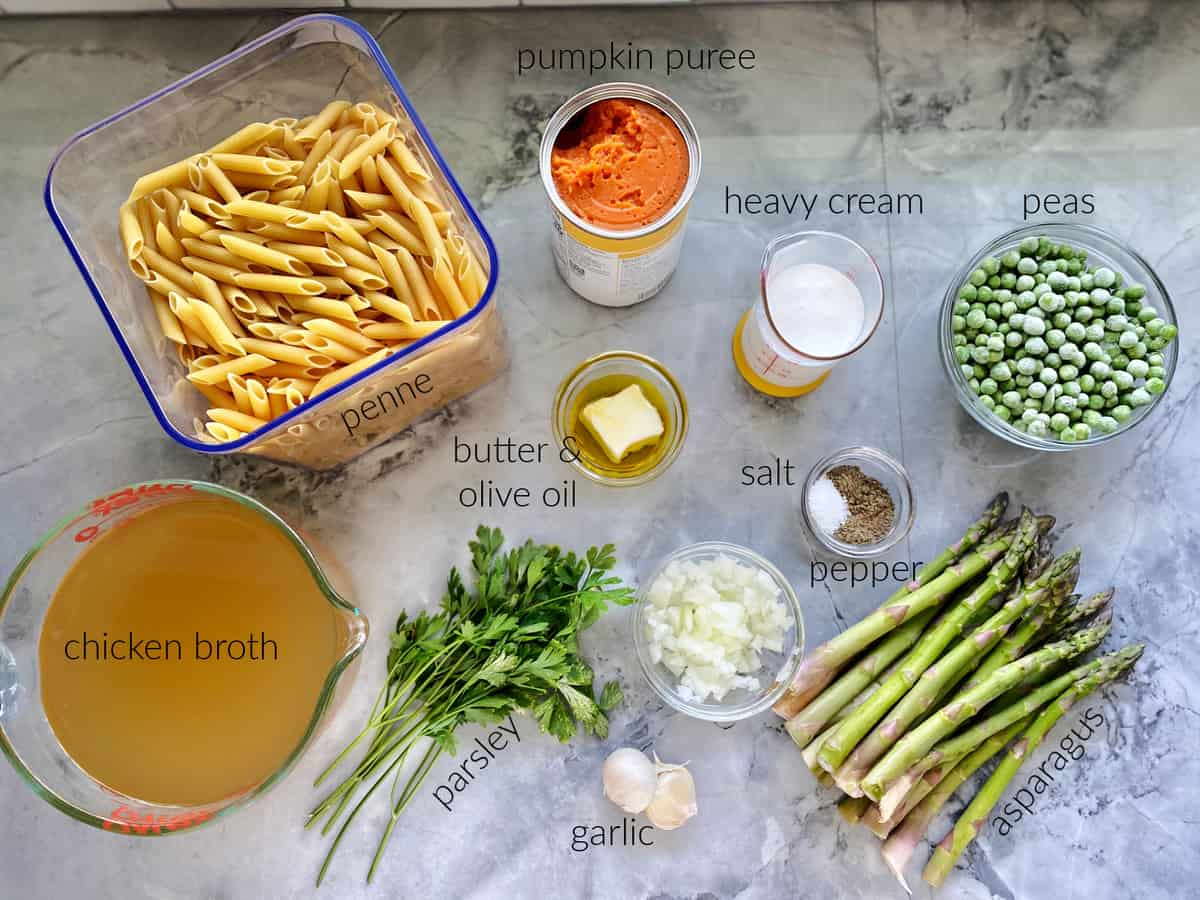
821, 711
928, 649
967, 828
951, 568
901, 843
955, 748
939, 678
809, 752
1080, 612
921, 739
852, 808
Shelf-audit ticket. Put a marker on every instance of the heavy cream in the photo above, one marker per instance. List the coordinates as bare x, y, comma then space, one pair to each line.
815, 308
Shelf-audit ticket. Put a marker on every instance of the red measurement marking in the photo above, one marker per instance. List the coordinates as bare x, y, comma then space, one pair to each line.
129, 821
771, 364
120, 500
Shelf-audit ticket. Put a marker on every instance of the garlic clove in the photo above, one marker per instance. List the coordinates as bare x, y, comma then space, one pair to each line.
674, 800
630, 779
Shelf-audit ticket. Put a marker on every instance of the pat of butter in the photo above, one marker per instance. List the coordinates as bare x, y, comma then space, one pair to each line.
624, 422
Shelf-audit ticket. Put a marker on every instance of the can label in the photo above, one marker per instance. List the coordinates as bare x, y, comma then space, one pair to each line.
616, 271
770, 365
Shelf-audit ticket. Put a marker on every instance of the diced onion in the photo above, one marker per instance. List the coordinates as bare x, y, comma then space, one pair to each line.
707, 621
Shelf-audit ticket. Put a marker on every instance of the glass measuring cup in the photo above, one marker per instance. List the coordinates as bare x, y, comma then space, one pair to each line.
26, 737
769, 352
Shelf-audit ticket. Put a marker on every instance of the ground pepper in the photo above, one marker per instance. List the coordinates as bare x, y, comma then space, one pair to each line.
872, 510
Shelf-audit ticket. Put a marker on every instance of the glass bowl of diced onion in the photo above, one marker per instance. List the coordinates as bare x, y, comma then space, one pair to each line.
730, 608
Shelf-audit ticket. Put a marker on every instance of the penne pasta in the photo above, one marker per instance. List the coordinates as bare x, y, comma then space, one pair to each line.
399, 230
211, 174
373, 145
391, 331
337, 376
342, 334
323, 306
407, 160
267, 256
174, 175
223, 433
236, 419
131, 231
254, 133
422, 295
309, 253
167, 243
254, 165
280, 352
215, 396
323, 121
237, 388
251, 362
257, 394
167, 321
284, 284
214, 327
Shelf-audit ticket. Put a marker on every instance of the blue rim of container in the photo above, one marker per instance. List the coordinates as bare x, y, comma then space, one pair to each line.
386, 68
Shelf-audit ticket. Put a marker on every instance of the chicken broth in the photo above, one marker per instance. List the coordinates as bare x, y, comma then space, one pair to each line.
183, 654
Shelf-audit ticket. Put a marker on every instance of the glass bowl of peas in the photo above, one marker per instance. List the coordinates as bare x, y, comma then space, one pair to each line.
1058, 336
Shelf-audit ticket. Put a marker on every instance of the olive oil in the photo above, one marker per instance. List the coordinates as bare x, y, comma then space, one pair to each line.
591, 454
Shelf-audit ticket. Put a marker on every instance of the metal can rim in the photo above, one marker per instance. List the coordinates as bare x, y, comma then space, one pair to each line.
622, 90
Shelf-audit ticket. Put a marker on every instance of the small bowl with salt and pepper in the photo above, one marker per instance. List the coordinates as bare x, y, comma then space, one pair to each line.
858, 502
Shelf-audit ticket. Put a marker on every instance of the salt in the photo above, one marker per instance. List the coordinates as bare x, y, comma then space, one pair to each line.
827, 505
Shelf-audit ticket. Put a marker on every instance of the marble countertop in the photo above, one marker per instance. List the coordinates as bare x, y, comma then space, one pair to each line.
970, 104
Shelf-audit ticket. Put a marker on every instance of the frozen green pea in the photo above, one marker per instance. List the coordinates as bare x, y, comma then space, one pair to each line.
990, 265
1156, 359
1007, 309
987, 386
984, 295
1115, 306
1155, 386
1061, 320
1108, 424
962, 354
1137, 368
1048, 267
1076, 414
1037, 390
980, 354
1109, 389
1076, 331
1001, 372
980, 339
1025, 283
1126, 340
1052, 359
1038, 428
961, 307
1122, 412
1055, 338
1014, 339
1138, 350
1155, 326
994, 356
987, 402
978, 371
1040, 290
1139, 397
1095, 401
973, 384
990, 325
1013, 400
1028, 246
1100, 369
1156, 372
1028, 366
1074, 267
1073, 283
1083, 313
1023, 381
1093, 334
1033, 326
1068, 372
1135, 291
995, 342
1010, 258
1100, 296
1027, 265
993, 310
1003, 328
1067, 435
975, 318
1087, 382
1104, 277
1133, 308
1026, 300
1035, 346
1058, 280
1155, 343
1058, 422
1147, 313
1036, 312
978, 277
1016, 319
967, 292
1082, 430
1086, 281
967, 370
1002, 412
1071, 388
1048, 376
1019, 425
1116, 323
1031, 403
958, 323
1092, 350
1091, 417
1008, 280
993, 282
1119, 361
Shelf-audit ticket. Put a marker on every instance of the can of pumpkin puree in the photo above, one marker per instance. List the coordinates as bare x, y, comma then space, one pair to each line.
620, 163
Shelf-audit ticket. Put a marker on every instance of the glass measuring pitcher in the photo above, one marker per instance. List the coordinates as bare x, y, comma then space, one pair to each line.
26, 735
820, 300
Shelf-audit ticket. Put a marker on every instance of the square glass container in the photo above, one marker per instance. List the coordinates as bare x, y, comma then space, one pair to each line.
292, 71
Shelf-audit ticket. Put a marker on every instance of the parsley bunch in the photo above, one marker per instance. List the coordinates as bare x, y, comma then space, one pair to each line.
511, 644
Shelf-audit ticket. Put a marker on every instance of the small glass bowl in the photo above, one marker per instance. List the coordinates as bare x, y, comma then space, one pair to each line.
625, 363
889, 473
740, 703
1102, 248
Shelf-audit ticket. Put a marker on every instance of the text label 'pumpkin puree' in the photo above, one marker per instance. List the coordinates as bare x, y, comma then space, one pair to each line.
621, 164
